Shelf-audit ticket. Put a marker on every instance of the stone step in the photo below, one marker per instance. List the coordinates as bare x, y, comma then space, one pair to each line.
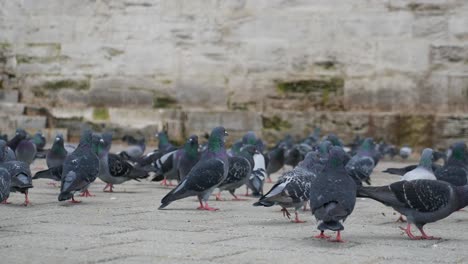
11, 122
9, 96
11, 108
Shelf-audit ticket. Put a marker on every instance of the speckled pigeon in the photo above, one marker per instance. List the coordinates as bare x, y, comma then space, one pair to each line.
115, 170
206, 175
240, 168
421, 201
7, 153
5, 184
293, 188
81, 167
333, 194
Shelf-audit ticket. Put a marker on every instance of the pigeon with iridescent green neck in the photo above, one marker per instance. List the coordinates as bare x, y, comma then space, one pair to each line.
206, 175
455, 171
188, 157
424, 170
39, 140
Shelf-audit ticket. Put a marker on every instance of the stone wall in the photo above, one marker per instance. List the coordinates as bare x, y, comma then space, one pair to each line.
259, 56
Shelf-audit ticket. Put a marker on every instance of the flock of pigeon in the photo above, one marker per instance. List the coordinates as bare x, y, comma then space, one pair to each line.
325, 174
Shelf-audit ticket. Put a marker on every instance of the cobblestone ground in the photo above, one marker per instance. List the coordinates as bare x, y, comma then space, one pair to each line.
126, 227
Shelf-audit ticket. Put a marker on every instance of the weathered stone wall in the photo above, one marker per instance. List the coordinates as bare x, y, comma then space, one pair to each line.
274, 61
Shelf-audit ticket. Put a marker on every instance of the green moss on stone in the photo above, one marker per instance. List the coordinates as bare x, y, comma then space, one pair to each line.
275, 122
66, 83
415, 130
166, 81
101, 113
113, 51
163, 102
307, 86
5, 45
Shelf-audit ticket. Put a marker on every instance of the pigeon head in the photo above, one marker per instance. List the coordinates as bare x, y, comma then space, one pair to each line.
163, 139
249, 149
249, 139
426, 158
458, 152
191, 146
236, 147
107, 137
334, 140
216, 140
324, 147
336, 157
310, 160
21, 133
38, 138
98, 145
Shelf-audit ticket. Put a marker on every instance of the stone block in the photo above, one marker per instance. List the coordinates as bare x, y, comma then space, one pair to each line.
448, 54
30, 122
403, 55
458, 26
11, 108
430, 27
458, 93
9, 96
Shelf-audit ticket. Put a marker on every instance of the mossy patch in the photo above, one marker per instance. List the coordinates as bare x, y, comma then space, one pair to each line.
308, 86
275, 122
415, 130
26, 59
66, 83
5, 45
166, 82
112, 52
164, 102
101, 113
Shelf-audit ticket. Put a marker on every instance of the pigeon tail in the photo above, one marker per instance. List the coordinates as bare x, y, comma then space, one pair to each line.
264, 203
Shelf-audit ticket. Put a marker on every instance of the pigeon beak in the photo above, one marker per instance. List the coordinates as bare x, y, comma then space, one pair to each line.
226, 133
101, 140
57, 139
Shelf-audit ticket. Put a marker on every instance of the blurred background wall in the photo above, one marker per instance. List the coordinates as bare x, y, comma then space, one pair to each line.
396, 69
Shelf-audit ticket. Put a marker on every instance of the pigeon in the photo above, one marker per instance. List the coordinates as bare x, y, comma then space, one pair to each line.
423, 170
189, 156
421, 201
19, 136
240, 168
296, 154
7, 153
334, 139
405, 152
81, 167
257, 177
166, 167
135, 150
361, 165
275, 159
39, 140
293, 189
26, 151
21, 180
4, 137
57, 153
402, 171
455, 171
206, 175
332, 194
5, 184
164, 145
115, 170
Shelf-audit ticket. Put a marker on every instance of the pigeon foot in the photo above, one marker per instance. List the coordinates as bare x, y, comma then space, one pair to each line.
286, 213
322, 235
338, 238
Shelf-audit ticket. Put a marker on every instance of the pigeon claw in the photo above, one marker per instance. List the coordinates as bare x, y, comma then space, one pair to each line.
400, 220
207, 208
5, 202
111, 188
269, 180
338, 238
286, 213
86, 194
296, 219
74, 201
322, 235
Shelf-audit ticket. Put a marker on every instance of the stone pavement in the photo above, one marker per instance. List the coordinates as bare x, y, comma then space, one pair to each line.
126, 227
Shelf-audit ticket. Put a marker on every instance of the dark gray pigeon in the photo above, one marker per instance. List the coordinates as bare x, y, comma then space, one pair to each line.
293, 189
296, 154
21, 180
206, 175
26, 151
455, 171
81, 167
332, 194
57, 153
361, 165
189, 156
421, 201
19, 136
240, 168
115, 170
7, 153
39, 141
5, 184
275, 159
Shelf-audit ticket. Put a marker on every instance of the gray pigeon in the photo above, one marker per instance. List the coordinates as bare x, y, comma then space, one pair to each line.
19, 136
421, 201
113, 169
39, 141
332, 194
5, 184
293, 189
405, 152
57, 153
424, 170
455, 171
7, 154
189, 156
361, 165
21, 180
26, 151
206, 175
240, 168
81, 167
